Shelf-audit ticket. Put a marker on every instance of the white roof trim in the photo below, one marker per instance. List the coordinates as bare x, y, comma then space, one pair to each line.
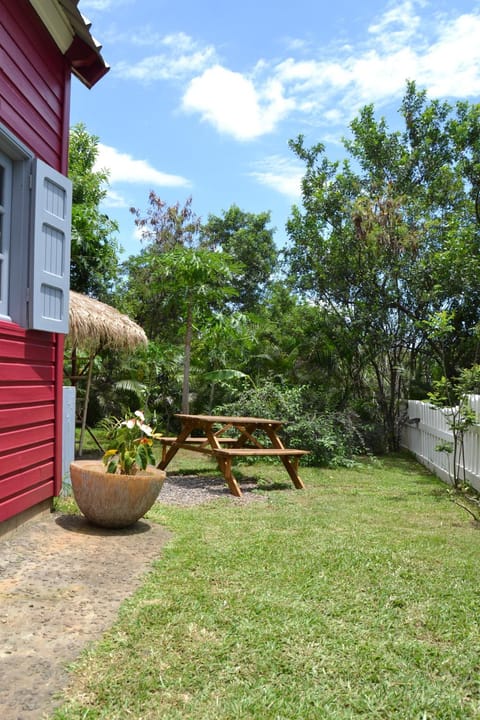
55, 21
70, 31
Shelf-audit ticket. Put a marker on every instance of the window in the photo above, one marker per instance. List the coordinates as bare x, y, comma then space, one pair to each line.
35, 217
5, 216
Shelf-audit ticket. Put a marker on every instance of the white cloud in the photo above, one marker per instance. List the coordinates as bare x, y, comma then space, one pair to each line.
397, 26
443, 57
180, 41
451, 66
143, 38
310, 74
446, 63
142, 234
231, 102
115, 199
102, 5
96, 4
122, 167
280, 174
440, 52
375, 77
297, 44
182, 59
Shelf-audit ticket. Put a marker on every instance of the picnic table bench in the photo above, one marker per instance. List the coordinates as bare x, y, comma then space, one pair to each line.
245, 443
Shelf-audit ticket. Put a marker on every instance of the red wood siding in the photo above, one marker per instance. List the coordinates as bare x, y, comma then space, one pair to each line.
28, 413
34, 83
34, 106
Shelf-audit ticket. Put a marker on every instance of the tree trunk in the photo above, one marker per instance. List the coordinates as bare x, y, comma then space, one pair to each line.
186, 362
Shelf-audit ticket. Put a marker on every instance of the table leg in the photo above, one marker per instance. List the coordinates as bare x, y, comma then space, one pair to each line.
291, 465
172, 451
225, 465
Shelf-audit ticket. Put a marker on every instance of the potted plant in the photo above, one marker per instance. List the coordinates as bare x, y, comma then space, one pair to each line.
119, 489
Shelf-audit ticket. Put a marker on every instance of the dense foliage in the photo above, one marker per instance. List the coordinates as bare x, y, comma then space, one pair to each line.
94, 261
332, 438
387, 239
335, 338
246, 237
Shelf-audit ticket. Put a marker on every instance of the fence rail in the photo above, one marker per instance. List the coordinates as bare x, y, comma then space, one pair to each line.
427, 426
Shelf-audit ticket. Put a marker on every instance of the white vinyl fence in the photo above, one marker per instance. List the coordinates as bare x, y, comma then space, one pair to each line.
427, 426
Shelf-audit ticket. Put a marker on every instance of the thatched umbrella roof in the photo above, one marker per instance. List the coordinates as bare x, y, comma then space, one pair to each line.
95, 325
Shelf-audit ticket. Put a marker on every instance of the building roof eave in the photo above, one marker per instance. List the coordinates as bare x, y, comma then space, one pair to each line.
84, 52
71, 32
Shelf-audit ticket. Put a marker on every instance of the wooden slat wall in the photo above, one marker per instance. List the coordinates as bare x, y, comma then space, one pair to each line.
34, 106
27, 418
32, 82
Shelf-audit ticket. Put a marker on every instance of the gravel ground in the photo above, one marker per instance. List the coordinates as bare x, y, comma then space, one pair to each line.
61, 584
197, 489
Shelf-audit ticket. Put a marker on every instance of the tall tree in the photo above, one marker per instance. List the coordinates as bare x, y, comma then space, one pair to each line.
198, 278
176, 280
94, 262
246, 237
389, 237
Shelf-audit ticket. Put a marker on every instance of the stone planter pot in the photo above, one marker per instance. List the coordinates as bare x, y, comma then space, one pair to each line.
111, 500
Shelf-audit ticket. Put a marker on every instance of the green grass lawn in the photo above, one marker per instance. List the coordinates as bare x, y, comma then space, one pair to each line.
355, 598
90, 440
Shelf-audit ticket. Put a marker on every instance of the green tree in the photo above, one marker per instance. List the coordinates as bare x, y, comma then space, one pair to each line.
388, 237
163, 228
224, 351
176, 285
198, 278
94, 263
246, 237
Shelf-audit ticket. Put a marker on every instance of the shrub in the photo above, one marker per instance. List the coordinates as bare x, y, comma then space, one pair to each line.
332, 438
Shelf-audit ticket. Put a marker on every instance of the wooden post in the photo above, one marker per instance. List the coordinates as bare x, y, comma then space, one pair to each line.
85, 404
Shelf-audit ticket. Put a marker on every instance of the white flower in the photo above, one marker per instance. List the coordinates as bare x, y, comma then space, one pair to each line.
129, 423
139, 414
146, 429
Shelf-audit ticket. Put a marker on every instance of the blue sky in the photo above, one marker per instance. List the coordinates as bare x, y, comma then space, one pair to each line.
203, 97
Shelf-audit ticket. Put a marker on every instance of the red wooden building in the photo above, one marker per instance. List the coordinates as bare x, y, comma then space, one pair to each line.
42, 42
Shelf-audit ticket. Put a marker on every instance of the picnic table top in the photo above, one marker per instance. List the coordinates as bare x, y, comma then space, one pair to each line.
229, 419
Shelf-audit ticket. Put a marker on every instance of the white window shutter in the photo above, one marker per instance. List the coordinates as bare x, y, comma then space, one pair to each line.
50, 256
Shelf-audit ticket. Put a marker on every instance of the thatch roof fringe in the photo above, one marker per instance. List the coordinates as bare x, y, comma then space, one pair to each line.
95, 325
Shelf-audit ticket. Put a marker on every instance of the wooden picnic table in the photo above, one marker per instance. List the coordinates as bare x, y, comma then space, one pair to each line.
244, 442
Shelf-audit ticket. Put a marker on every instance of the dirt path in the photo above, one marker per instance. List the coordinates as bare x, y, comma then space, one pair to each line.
61, 584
